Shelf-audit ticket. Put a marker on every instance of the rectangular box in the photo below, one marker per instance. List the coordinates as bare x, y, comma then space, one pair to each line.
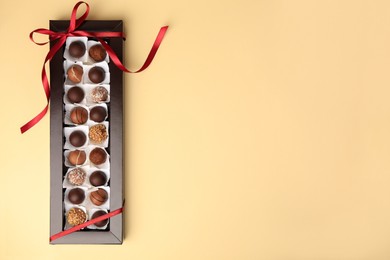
115, 116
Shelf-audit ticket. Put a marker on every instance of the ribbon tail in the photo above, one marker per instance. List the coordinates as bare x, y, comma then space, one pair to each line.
35, 120
149, 59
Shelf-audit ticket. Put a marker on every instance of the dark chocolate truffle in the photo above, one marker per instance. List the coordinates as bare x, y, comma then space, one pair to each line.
77, 157
97, 53
98, 178
76, 216
99, 94
98, 197
77, 138
76, 196
96, 74
98, 214
75, 94
98, 133
77, 49
76, 176
98, 114
75, 73
98, 156
78, 115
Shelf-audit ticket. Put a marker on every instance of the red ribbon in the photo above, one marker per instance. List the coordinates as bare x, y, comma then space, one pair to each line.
61, 39
85, 224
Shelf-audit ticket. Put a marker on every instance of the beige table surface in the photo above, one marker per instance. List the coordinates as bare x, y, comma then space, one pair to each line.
261, 131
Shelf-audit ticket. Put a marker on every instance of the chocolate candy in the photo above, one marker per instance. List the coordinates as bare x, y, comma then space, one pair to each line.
98, 114
78, 115
98, 178
76, 176
75, 94
98, 133
96, 74
98, 197
98, 156
97, 53
77, 49
98, 214
77, 157
76, 196
77, 138
76, 216
99, 94
75, 73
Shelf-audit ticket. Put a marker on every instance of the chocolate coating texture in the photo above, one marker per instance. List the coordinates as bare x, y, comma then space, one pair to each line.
75, 73
98, 114
77, 49
77, 138
98, 197
76, 196
76, 216
98, 178
96, 74
76, 176
98, 214
98, 133
99, 94
77, 157
78, 115
98, 156
97, 53
75, 94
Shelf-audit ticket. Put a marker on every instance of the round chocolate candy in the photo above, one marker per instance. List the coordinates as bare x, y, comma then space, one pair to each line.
98, 133
99, 94
76, 176
77, 157
98, 114
98, 178
96, 74
98, 156
98, 197
75, 94
75, 73
97, 214
76, 196
77, 138
97, 53
77, 49
78, 115
76, 216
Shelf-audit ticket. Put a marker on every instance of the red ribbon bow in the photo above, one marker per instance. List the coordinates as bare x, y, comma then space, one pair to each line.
72, 31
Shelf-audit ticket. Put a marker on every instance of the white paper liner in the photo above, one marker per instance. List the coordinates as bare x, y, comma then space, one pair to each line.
67, 184
104, 105
67, 225
68, 205
67, 65
105, 165
89, 59
105, 143
68, 164
69, 40
88, 92
104, 66
67, 87
88, 202
69, 130
90, 214
68, 109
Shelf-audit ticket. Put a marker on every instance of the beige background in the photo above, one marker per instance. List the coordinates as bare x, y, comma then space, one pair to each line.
261, 131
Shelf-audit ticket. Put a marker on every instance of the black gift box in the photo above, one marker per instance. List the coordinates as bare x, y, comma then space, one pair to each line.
114, 234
